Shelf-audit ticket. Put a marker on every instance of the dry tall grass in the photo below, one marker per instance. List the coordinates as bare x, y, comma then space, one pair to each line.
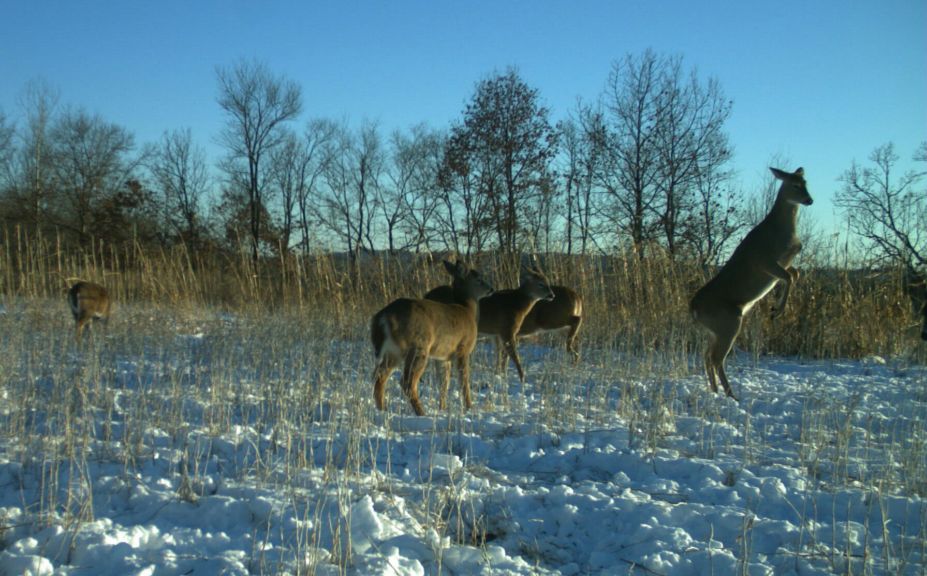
285, 372
632, 306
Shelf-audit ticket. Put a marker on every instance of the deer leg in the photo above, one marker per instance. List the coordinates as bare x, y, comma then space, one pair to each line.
445, 384
787, 275
575, 323
725, 382
500, 356
416, 360
512, 350
81, 323
723, 323
463, 369
725, 331
380, 375
710, 367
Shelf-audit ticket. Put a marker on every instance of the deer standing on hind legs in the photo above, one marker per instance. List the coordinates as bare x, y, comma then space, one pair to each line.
412, 331
89, 302
762, 259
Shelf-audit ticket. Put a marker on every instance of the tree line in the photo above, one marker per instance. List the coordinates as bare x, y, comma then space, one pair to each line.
645, 165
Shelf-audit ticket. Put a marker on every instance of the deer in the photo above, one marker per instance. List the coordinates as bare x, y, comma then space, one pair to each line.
564, 311
411, 331
89, 302
503, 312
761, 260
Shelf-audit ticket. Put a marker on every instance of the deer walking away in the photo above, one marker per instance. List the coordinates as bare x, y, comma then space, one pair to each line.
89, 302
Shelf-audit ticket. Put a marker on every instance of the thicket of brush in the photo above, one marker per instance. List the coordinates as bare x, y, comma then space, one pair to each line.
632, 305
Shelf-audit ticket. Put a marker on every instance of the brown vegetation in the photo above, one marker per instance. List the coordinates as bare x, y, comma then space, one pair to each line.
630, 305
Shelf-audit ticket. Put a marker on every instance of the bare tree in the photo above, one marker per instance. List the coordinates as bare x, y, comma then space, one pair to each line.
715, 218
399, 171
352, 178
571, 175
505, 145
662, 156
232, 218
318, 137
692, 148
887, 211
7, 178
542, 216
30, 170
336, 208
287, 175
257, 105
630, 166
96, 193
580, 157
464, 214
368, 175
412, 176
179, 168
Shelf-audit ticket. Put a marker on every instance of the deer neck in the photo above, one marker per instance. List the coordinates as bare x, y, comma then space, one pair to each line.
473, 307
784, 214
466, 299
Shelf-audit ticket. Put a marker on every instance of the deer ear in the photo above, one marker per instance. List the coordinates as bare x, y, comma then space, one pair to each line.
800, 172
781, 175
451, 268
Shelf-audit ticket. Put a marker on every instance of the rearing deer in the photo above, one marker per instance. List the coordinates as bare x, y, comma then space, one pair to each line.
88, 302
763, 258
502, 313
412, 331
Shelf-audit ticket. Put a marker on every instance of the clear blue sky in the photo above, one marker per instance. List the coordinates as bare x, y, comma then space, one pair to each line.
820, 83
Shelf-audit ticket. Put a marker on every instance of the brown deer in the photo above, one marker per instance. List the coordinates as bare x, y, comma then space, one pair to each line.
564, 311
412, 331
503, 312
89, 302
761, 259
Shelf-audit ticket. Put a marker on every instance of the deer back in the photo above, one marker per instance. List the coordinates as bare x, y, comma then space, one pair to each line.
443, 293
88, 300
503, 312
553, 314
442, 330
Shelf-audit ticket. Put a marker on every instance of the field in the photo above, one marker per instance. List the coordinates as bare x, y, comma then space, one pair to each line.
223, 422
191, 440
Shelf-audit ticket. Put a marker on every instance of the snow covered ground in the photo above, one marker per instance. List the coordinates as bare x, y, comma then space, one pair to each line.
220, 446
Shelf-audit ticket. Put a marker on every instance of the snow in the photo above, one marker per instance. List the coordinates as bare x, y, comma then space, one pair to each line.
215, 449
